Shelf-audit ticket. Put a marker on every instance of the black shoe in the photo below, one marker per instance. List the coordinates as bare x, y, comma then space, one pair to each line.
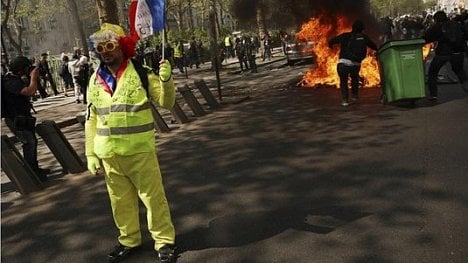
167, 254
120, 252
78, 101
432, 98
42, 174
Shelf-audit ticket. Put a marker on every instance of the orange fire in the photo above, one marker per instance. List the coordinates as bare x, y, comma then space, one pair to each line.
426, 50
320, 30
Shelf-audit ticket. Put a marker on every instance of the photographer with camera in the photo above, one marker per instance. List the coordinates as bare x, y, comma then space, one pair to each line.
17, 88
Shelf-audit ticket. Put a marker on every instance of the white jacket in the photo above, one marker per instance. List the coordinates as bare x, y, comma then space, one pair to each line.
74, 65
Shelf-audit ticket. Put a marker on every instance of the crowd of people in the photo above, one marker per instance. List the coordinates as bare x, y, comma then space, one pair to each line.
246, 48
69, 73
412, 26
180, 56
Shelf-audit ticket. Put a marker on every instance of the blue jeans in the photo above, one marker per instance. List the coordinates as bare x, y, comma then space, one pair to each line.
29, 143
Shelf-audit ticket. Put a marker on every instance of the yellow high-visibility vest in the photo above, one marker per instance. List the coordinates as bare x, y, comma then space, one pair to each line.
227, 41
177, 51
124, 121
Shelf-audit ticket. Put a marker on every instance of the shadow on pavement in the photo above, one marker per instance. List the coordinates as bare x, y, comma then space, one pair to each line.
243, 229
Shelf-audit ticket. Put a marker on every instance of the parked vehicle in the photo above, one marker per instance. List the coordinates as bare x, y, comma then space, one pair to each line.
299, 50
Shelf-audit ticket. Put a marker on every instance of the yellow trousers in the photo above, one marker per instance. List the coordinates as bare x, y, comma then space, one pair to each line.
129, 178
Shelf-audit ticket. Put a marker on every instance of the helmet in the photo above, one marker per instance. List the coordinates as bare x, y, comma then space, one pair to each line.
19, 63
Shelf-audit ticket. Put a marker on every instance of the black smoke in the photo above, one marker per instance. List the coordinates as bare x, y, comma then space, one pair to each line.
296, 12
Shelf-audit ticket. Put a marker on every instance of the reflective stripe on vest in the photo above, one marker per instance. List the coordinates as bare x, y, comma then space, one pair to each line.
124, 123
125, 130
177, 51
123, 108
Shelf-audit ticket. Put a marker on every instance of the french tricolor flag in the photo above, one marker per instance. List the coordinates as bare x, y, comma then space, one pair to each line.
146, 17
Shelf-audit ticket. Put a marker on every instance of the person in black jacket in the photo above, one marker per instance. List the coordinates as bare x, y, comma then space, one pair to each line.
17, 88
46, 74
451, 44
353, 49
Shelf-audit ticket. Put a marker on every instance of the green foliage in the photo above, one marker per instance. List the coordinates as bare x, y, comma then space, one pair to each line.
39, 11
395, 7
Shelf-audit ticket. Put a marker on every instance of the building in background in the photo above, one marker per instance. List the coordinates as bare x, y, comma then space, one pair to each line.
451, 6
54, 35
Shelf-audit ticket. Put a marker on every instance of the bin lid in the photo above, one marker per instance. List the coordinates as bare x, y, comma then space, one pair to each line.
402, 42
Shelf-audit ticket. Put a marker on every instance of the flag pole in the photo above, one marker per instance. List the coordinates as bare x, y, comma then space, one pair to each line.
164, 31
163, 42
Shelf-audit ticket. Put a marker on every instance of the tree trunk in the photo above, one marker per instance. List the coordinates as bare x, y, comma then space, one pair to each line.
180, 16
221, 16
262, 31
214, 45
5, 59
79, 25
18, 42
218, 27
190, 14
107, 11
261, 21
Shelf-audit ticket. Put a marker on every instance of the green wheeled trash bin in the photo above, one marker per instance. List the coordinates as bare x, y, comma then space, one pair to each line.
402, 70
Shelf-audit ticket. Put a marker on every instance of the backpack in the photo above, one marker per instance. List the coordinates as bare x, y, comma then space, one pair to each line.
142, 72
63, 70
7, 103
357, 47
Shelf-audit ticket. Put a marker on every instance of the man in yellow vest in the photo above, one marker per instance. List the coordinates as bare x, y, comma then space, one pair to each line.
120, 141
229, 50
179, 55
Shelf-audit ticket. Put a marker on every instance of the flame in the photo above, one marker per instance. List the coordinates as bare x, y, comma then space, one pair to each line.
319, 30
426, 49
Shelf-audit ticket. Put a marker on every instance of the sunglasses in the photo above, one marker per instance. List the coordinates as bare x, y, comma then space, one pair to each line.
107, 46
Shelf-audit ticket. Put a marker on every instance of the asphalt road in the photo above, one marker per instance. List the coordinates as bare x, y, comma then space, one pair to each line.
286, 176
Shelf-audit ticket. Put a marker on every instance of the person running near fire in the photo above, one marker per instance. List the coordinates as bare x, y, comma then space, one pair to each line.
353, 49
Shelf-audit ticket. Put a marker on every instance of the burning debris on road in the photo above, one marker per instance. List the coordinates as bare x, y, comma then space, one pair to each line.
319, 30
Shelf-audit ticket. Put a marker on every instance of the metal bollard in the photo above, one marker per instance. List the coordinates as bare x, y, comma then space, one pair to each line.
161, 125
17, 170
60, 147
191, 101
179, 114
206, 93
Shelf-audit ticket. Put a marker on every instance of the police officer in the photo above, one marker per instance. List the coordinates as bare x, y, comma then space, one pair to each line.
179, 55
